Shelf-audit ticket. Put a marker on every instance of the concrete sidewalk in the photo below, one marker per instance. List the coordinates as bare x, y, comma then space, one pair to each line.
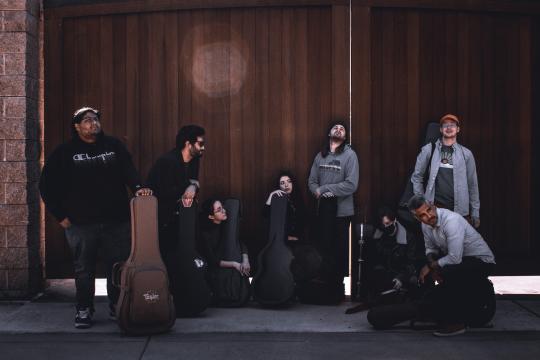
43, 329
57, 317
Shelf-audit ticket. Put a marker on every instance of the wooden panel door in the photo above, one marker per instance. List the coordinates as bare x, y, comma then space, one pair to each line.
422, 64
264, 82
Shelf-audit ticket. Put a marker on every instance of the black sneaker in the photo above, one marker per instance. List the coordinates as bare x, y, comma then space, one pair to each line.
83, 318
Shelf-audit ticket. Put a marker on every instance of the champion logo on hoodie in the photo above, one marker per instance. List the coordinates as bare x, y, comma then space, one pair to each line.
105, 158
334, 165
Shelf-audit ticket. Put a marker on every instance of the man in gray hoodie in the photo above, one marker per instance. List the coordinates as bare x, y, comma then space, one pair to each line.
335, 173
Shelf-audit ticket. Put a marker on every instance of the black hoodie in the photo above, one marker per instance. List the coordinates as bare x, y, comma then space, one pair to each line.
169, 178
86, 182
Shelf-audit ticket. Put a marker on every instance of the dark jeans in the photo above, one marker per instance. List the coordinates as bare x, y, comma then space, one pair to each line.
459, 289
112, 241
342, 244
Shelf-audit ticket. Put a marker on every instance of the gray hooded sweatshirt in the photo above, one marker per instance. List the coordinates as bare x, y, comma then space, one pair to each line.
338, 174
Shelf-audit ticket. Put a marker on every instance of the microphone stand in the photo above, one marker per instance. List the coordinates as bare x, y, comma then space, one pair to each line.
362, 306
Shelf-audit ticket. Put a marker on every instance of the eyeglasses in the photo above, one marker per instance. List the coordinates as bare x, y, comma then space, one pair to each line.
201, 143
449, 126
90, 118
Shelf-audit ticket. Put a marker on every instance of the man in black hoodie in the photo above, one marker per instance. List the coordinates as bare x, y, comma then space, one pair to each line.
83, 185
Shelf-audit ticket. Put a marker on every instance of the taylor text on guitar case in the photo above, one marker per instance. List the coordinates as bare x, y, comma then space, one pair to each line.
145, 305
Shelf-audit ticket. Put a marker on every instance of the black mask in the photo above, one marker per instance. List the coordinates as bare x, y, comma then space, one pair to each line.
389, 230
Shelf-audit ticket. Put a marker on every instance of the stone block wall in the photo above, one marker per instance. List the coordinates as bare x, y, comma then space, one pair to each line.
20, 148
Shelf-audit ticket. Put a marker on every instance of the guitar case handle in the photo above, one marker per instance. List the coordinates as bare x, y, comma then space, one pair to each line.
116, 273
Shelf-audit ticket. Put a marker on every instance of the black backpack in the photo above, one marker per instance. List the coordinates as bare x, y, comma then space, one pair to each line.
432, 135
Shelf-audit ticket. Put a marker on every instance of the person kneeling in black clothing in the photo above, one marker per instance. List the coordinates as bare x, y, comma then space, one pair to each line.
228, 279
389, 257
389, 273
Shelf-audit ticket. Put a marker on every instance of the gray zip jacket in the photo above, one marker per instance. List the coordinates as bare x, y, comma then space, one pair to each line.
453, 238
466, 195
338, 174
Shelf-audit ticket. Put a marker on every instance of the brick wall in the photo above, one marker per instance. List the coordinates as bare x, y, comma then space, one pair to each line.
20, 80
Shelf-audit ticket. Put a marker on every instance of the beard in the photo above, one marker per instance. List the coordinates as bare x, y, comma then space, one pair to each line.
196, 153
337, 138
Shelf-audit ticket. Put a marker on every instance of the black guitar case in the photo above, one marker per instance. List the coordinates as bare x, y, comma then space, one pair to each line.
326, 287
326, 225
230, 288
403, 214
432, 134
479, 311
231, 249
385, 316
273, 285
188, 274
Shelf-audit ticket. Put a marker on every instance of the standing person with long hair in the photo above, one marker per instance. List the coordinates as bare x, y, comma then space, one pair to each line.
334, 174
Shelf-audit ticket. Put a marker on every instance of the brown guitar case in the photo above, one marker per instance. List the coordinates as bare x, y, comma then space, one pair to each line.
145, 305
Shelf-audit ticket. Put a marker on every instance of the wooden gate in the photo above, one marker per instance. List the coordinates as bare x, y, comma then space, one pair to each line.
263, 81
411, 63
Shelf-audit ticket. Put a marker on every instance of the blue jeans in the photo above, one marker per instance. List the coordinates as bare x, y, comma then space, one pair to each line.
112, 241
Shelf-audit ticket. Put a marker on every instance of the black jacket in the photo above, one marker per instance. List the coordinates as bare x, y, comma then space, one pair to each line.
87, 182
169, 178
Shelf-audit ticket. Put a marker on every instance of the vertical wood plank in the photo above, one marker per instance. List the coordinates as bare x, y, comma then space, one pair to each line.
535, 128
301, 104
288, 126
413, 90
385, 134
484, 129
132, 95
118, 78
427, 89
525, 120
170, 63
252, 193
450, 65
236, 96
361, 96
340, 62
146, 96
105, 82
